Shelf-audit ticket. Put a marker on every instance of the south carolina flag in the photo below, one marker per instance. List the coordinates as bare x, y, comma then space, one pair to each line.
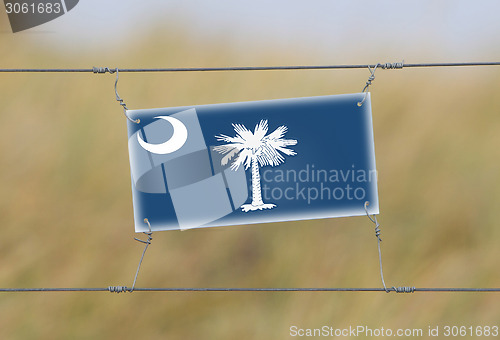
252, 162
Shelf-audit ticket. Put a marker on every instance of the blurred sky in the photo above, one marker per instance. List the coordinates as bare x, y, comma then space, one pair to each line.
448, 30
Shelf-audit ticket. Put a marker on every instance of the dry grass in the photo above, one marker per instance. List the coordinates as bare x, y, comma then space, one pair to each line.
66, 210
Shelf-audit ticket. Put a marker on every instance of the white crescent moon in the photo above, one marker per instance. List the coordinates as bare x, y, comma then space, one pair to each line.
177, 140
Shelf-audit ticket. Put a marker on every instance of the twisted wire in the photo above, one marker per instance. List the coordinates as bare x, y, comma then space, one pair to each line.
122, 289
404, 289
377, 234
102, 70
118, 99
147, 243
392, 66
369, 82
379, 239
117, 289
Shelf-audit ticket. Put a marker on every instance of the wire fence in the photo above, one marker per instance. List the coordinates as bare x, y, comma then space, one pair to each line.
371, 67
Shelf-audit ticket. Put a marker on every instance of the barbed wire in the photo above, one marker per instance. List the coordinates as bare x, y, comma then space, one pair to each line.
398, 65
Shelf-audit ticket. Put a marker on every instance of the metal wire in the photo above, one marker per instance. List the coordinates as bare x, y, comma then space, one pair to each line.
250, 68
173, 289
117, 96
147, 243
369, 82
379, 239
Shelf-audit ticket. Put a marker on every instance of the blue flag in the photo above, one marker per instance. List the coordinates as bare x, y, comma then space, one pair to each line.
252, 162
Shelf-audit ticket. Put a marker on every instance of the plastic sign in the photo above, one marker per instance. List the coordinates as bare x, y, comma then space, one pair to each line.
252, 162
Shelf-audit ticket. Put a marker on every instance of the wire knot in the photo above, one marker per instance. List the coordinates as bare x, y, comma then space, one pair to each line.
103, 70
118, 289
147, 233
402, 289
392, 66
374, 220
368, 82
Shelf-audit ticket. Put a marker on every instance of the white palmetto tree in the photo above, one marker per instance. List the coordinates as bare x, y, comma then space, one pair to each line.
254, 150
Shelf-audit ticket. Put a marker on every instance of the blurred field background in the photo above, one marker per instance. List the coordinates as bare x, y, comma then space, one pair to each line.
66, 207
